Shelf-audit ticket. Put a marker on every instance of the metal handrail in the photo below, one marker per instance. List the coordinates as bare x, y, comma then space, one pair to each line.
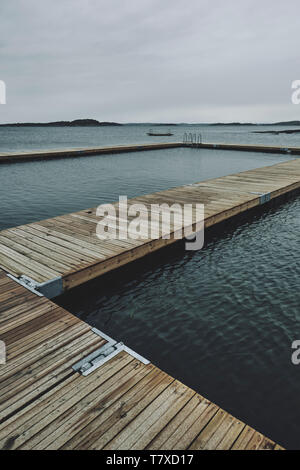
192, 138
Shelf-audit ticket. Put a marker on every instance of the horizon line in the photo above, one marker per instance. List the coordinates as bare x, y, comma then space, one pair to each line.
152, 122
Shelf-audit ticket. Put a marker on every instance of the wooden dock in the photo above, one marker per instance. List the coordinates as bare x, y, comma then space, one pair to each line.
14, 157
125, 404
63, 252
48, 154
246, 148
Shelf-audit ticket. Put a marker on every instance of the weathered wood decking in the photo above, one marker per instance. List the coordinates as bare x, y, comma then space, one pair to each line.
27, 156
13, 157
45, 404
246, 147
66, 252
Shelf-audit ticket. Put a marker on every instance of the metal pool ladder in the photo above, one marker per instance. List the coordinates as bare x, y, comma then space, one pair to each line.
192, 138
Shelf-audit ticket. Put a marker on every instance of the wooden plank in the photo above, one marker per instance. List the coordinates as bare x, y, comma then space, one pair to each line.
159, 412
62, 429
49, 418
180, 432
116, 417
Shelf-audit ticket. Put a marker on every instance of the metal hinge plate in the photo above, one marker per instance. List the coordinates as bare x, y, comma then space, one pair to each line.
49, 289
26, 282
99, 357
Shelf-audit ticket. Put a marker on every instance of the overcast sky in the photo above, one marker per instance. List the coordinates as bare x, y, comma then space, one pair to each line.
149, 60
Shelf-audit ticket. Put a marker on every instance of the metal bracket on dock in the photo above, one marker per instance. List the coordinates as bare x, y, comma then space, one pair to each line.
49, 289
263, 197
99, 357
26, 282
52, 288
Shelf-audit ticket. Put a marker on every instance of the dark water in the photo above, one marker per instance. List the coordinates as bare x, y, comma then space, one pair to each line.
222, 319
31, 191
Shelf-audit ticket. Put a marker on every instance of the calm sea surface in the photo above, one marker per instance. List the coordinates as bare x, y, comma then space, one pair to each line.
29, 138
222, 319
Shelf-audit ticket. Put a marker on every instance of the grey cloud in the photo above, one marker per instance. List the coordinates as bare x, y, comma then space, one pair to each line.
138, 60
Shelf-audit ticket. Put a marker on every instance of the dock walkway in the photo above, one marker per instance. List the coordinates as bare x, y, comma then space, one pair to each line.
125, 404
13, 157
63, 252
48, 154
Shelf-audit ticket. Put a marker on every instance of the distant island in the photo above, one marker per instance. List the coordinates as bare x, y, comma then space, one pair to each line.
77, 122
286, 131
287, 123
281, 123
154, 124
95, 123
